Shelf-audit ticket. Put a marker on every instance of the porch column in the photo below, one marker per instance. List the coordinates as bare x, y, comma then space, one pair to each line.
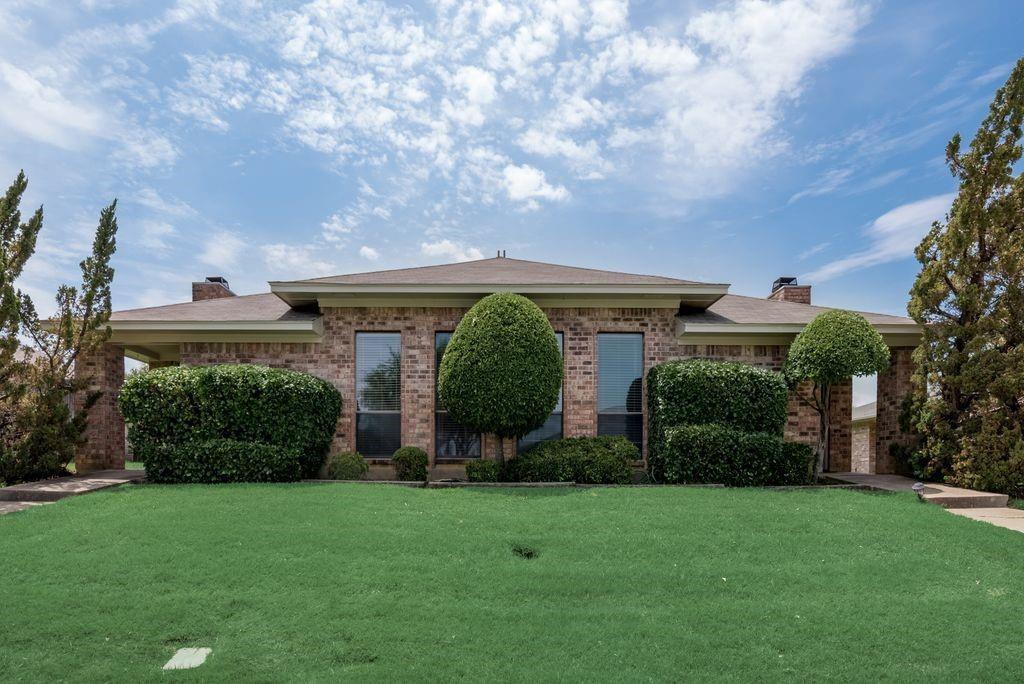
893, 385
840, 413
104, 446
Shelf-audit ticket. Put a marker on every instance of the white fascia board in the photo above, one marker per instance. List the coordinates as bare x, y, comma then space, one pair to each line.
312, 325
895, 334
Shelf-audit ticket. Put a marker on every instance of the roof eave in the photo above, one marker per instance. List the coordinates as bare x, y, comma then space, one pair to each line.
894, 334
133, 332
698, 295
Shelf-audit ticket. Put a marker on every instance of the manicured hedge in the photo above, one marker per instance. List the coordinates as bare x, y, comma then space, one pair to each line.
483, 471
221, 460
410, 464
697, 392
721, 454
347, 466
586, 460
242, 402
501, 371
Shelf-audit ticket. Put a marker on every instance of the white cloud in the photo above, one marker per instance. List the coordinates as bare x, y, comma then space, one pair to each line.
455, 251
890, 237
303, 261
369, 253
812, 250
214, 84
688, 111
43, 113
222, 250
528, 184
155, 235
151, 199
827, 184
335, 228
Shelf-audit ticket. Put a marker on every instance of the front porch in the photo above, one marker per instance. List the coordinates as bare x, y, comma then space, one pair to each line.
105, 445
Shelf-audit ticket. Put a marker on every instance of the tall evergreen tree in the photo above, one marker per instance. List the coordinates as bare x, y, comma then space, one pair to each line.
38, 432
967, 407
17, 243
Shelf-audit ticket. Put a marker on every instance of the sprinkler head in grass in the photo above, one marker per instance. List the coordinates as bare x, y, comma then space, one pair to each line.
918, 488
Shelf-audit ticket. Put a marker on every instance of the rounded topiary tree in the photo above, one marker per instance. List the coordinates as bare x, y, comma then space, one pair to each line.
833, 347
501, 371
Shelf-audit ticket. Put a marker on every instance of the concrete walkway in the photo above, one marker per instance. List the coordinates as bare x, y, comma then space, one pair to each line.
983, 506
22, 496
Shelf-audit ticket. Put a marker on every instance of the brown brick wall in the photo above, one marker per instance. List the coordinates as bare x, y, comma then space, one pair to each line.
334, 361
104, 445
801, 294
893, 385
208, 290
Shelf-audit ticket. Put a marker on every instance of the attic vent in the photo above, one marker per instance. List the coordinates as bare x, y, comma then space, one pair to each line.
783, 281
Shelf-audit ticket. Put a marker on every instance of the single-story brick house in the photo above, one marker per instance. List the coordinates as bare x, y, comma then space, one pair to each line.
612, 327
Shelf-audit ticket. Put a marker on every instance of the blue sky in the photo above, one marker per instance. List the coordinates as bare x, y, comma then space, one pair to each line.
729, 142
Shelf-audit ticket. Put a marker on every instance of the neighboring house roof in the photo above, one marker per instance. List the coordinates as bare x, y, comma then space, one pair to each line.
864, 412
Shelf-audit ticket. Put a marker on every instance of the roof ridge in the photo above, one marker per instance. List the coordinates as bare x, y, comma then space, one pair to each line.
493, 259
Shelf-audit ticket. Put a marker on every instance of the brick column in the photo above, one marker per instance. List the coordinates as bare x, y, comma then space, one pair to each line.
840, 413
893, 385
104, 447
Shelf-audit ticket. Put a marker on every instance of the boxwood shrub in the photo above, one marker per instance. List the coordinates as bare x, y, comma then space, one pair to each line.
586, 460
483, 471
222, 460
347, 466
410, 464
241, 402
722, 454
698, 392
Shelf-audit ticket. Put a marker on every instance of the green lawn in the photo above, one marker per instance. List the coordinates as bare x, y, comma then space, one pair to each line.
312, 582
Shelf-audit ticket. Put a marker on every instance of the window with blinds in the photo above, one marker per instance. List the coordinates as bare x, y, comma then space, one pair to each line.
378, 393
451, 440
552, 427
620, 368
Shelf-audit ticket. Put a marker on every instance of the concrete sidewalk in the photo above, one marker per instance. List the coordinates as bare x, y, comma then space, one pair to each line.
1010, 518
19, 497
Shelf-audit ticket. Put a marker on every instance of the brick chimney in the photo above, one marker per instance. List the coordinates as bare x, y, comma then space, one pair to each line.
214, 287
786, 289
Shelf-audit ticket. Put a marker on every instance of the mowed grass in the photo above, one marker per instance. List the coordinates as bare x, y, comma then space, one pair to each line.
325, 582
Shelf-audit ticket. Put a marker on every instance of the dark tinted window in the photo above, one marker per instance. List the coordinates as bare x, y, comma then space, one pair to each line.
620, 367
378, 393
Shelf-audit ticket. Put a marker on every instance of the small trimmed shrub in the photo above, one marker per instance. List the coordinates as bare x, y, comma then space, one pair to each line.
699, 392
586, 460
721, 454
483, 471
410, 464
222, 460
347, 466
243, 402
501, 371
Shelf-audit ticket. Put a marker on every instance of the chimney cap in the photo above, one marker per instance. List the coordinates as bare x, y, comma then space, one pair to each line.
783, 281
217, 279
